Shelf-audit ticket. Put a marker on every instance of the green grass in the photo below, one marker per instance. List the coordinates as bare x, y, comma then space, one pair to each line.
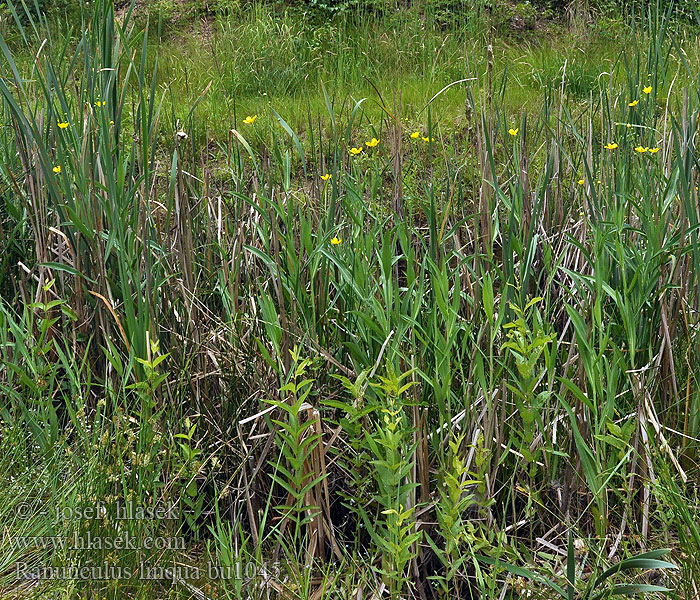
459, 364
261, 59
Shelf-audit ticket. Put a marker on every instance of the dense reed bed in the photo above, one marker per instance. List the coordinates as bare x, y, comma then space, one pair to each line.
365, 351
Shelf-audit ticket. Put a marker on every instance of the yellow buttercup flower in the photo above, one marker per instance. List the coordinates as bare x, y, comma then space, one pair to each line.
428, 139
326, 177
415, 135
514, 131
647, 90
581, 181
63, 124
250, 120
633, 103
100, 103
641, 149
611, 146
355, 151
372, 143
57, 169
654, 150
335, 241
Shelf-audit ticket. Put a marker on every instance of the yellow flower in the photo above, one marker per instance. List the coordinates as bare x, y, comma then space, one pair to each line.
514, 131
100, 103
63, 124
355, 151
326, 177
111, 122
415, 135
57, 169
428, 139
633, 103
611, 146
581, 181
654, 150
641, 149
335, 241
250, 120
647, 90
373, 142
